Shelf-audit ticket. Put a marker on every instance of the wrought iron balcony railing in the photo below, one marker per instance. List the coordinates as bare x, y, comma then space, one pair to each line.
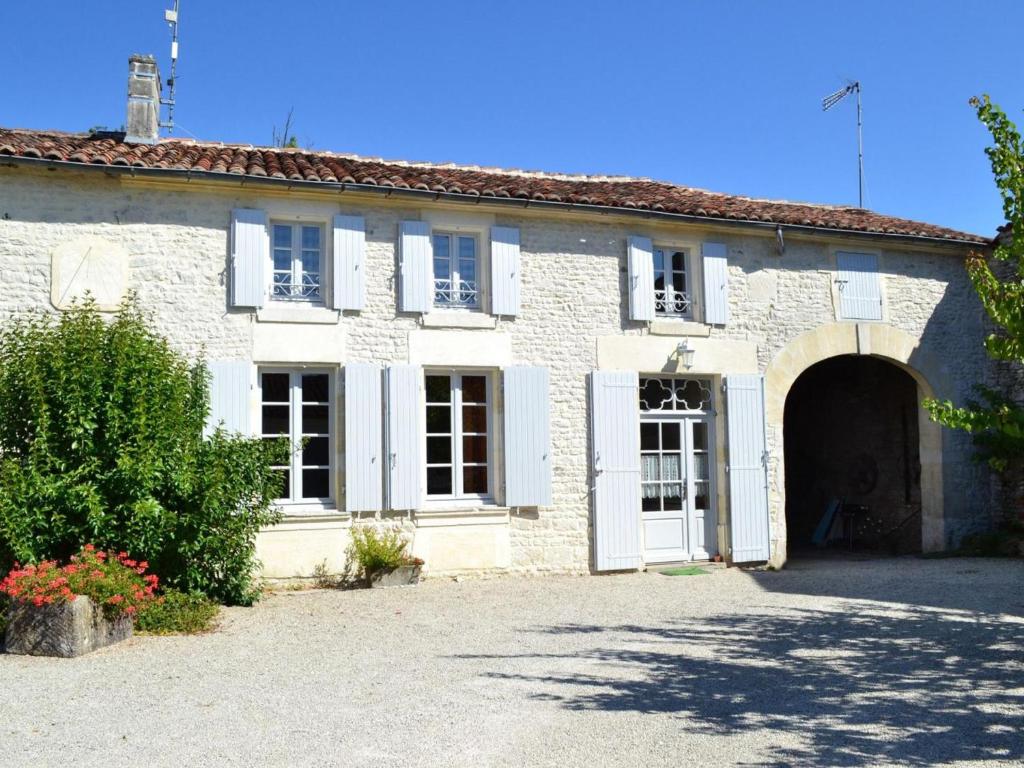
285, 287
456, 293
668, 301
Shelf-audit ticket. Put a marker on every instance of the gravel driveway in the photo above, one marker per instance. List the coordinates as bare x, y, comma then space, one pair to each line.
828, 663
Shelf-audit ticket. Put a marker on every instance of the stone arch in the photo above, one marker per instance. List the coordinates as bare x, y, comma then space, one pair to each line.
879, 340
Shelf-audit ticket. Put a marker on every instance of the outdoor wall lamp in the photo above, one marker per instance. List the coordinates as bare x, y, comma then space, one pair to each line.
686, 353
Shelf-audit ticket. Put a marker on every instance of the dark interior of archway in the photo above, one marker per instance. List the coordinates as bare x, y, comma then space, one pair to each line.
851, 434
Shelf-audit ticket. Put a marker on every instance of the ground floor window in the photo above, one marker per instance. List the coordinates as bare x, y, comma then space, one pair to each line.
458, 436
297, 405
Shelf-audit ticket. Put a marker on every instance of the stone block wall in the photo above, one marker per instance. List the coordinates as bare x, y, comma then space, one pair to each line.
573, 295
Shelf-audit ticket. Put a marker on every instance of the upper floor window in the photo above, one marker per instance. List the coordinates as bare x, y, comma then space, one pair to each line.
298, 255
673, 295
456, 270
297, 405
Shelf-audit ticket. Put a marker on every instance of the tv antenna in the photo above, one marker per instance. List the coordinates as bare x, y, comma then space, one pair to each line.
826, 104
171, 17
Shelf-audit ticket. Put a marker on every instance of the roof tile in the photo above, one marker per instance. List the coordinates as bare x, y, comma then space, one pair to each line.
325, 167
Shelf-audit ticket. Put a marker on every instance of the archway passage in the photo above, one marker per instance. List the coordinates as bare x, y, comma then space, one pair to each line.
851, 435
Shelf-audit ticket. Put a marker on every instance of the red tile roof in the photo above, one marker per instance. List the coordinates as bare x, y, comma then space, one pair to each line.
109, 149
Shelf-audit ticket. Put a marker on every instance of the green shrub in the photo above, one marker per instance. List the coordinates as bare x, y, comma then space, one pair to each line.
101, 441
377, 549
177, 612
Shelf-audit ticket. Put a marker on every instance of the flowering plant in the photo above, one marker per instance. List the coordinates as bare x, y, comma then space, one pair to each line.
114, 581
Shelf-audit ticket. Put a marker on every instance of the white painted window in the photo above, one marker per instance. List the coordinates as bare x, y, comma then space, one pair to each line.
456, 270
297, 405
673, 292
458, 436
297, 252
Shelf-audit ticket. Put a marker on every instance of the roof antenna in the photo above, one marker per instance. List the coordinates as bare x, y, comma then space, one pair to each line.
826, 104
171, 17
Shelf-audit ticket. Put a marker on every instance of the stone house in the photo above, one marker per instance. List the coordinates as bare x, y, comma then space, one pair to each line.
533, 372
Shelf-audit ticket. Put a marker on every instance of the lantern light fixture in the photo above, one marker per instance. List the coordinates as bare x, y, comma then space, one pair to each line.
686, 354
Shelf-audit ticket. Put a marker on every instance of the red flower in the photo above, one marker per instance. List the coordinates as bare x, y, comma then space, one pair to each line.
115, 599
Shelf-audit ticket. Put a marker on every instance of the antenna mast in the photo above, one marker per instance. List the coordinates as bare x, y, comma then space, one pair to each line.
171, 17
830, 101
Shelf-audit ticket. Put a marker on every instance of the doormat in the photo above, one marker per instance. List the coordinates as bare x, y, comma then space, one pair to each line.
686, 570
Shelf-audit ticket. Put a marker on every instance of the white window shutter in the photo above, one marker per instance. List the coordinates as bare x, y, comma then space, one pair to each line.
748, 469
250, 251
615, 427
715, 264
860, 293
640, 267
349, 289
504, 271
364, 478
527, 437
404, 444
230, 389
415, 267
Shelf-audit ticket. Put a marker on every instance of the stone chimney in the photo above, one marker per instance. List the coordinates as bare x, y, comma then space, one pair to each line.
143, 124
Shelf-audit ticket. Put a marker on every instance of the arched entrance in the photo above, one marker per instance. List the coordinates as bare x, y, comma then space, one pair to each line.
853, 470
891, 346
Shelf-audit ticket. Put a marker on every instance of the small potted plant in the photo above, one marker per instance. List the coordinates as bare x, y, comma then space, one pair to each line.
74, 609
380, 557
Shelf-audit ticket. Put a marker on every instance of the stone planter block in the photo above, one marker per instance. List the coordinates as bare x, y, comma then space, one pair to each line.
63, 629
401, 576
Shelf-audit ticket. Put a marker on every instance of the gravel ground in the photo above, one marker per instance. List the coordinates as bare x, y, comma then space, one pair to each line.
828, 663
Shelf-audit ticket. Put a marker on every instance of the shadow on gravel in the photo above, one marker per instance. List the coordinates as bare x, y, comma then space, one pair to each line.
964, 583
866, 685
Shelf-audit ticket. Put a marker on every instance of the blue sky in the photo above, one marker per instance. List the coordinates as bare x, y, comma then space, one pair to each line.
724, 96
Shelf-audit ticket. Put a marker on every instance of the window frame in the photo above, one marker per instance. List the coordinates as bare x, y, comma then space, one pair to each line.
457, 463
296, 225
291, 503
453, 234
688, 272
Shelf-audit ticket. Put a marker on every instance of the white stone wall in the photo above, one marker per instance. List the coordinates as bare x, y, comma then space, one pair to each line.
573, 293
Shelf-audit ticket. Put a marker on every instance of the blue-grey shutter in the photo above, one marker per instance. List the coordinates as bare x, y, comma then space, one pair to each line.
860, 294
716, 283
615, 432
504, 271
640, 276
230, 388
404, 451
364, 478
415, 267
349, 262
527, 437
250, 251
747, 468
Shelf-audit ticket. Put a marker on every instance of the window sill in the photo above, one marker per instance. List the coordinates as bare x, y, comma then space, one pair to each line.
664, 326
308, 511
480, 514
447, 318
297, 314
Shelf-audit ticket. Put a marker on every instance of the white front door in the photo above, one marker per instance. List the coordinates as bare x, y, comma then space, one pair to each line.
676, 495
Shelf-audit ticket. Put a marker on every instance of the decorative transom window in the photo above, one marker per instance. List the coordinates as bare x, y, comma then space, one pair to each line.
672, 293
675, 394
458, 435
297, 405
298, 255
456, 280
